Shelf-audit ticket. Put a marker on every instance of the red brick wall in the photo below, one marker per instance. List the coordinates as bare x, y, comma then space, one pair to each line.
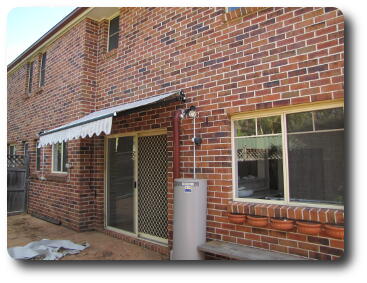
225, 63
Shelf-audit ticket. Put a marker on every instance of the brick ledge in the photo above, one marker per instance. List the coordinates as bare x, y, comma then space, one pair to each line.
321, 215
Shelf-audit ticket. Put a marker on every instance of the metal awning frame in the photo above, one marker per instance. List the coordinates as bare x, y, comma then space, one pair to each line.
181, 97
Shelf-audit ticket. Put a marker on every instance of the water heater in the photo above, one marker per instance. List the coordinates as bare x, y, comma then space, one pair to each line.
189, 218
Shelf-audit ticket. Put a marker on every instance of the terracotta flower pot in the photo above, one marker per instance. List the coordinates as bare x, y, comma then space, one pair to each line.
236, 218
334, 231
257, 221
308, 228
282, 224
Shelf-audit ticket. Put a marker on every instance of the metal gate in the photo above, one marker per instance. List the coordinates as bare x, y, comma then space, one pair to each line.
152, 187
17, 183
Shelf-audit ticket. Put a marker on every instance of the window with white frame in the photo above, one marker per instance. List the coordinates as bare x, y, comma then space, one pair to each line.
290, 157
59, 157
113, 33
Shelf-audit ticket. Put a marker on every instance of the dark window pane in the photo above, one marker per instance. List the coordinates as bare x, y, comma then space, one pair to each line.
245, 127
269, 125
120, 195
43, 70
25, 149
64, 156
114, 25
11, 150
113, 42
316, 167
30, 77
260, 167
38, 158
328, 119
299, 122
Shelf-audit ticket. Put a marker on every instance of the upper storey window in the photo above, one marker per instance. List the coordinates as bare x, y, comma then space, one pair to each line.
42, 70
30, 77
113, 33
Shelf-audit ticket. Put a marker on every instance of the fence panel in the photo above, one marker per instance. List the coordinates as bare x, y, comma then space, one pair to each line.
17, 183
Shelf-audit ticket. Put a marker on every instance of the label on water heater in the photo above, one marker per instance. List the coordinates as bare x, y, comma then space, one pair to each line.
187, 189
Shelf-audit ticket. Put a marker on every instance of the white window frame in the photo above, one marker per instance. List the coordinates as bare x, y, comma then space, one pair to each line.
108, 34
62, 161
282, 111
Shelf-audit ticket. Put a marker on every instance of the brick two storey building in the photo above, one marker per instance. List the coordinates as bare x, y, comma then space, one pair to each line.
97, 101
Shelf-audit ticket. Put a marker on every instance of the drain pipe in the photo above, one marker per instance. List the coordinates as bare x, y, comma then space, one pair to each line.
176, 144
193, 139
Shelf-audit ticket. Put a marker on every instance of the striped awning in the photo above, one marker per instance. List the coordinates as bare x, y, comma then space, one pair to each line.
98, 122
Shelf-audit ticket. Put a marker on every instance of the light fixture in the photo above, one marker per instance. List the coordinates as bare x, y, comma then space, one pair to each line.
192, 111
189, 112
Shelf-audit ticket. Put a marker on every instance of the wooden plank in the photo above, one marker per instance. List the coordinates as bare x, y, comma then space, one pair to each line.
240, 252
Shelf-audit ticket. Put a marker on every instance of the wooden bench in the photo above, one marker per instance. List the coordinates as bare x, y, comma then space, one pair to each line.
239, 252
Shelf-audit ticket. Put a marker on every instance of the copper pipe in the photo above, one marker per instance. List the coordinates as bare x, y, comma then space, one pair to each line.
176, 144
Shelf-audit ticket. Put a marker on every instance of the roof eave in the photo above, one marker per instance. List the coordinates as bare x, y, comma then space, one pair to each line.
59, 26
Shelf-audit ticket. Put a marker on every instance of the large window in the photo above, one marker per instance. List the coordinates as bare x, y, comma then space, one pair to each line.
59, 157
113, 33
291, 157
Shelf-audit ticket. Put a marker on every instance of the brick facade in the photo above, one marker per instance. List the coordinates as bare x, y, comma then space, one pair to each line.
226, 63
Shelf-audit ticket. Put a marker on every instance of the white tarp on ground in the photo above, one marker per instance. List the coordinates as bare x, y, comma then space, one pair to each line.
47, 249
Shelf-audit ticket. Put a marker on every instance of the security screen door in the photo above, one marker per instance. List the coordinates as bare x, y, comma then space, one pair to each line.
137, 185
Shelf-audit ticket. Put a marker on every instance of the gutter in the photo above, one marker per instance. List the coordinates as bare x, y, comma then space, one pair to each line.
59, 26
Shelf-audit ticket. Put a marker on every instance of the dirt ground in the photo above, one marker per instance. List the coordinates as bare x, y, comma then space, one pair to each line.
24, 228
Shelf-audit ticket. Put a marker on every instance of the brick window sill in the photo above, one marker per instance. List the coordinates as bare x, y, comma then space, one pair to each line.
55, 177
321, 215
39, 90
110, 54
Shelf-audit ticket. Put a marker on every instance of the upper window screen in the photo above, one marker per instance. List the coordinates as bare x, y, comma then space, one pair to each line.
314, 160
113, 35
316, 156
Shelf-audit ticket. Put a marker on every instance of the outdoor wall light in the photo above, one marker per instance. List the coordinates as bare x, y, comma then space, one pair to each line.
189, 112
192, 111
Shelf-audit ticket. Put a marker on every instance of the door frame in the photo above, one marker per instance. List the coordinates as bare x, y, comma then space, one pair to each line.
135, 135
